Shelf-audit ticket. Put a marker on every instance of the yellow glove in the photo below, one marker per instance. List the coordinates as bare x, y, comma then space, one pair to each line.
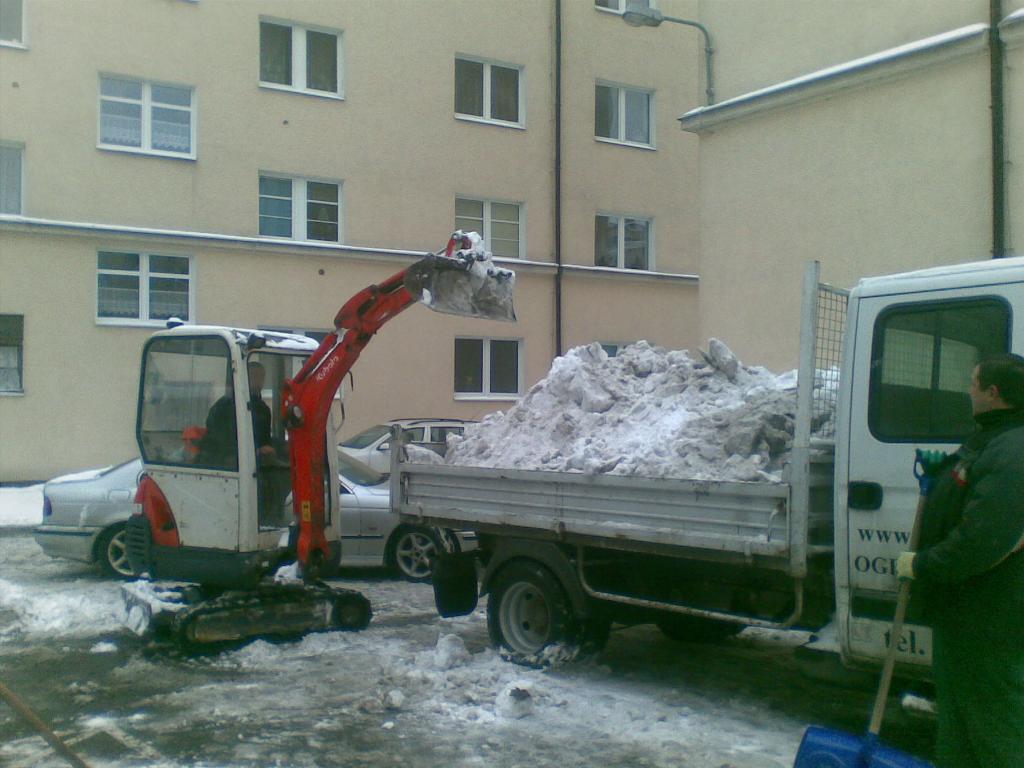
905, 566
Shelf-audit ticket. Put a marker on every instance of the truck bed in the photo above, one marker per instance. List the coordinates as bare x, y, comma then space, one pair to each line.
748, 520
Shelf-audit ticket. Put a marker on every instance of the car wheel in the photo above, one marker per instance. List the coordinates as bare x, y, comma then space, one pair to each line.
413, 552
527, 611
694, 629
112, 552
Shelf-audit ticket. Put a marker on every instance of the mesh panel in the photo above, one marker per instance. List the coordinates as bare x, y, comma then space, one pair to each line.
828, 351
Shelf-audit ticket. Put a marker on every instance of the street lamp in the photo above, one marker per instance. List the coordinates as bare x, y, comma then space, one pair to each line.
638, 14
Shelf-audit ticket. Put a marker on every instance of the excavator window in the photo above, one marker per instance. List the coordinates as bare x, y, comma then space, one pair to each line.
267, 373
186, 412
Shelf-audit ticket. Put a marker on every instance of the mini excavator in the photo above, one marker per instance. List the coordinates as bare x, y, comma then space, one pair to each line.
236, 519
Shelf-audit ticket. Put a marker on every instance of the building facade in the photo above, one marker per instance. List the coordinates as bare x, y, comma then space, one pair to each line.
254, 164
857, 133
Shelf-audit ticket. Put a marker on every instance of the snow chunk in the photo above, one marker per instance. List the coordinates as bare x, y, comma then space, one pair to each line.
450, 652
515, 700
651, 412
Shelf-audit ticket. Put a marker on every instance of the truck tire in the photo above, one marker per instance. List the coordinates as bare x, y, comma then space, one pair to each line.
112, 552
527, 611
695, 629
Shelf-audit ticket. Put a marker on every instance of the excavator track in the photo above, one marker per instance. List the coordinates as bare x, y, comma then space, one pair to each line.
183, 616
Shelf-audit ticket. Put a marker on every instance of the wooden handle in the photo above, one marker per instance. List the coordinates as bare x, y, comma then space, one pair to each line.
897, 629
30, 717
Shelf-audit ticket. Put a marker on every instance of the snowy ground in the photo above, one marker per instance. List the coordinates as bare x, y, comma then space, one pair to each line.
412, 689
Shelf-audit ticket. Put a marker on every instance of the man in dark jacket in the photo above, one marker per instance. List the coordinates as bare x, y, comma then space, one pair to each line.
970, 575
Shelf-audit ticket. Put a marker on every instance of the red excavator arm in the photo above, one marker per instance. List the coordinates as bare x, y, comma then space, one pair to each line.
451, 281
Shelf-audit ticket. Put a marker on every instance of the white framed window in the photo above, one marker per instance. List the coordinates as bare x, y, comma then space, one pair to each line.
300, 58
500, 224
12, 177
618, 6
12, 23
12, 353
300, 209
623, 242
623, 114
490, 368
133, 287
488, 91
150, 118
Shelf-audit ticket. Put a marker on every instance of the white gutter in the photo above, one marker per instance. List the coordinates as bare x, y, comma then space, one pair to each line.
14, 223
825, 82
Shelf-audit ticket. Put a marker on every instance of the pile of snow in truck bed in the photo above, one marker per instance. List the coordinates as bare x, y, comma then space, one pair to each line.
647, 411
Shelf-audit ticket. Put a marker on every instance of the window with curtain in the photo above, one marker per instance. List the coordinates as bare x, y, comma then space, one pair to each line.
623, 114
146, 117
298, 58
500, 224
488, 91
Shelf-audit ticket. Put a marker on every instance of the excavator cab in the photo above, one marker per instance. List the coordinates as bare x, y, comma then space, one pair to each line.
215, 449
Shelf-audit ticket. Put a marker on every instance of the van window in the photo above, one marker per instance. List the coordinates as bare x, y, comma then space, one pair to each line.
922, 356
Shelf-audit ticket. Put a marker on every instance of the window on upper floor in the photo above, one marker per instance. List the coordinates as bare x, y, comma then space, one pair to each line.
488, 91
12, 22
152, 118
12, 356
620, 5
134, 287
623, 114
300, 209
300, 58
622, 241
500, 224
487, 367
11, 175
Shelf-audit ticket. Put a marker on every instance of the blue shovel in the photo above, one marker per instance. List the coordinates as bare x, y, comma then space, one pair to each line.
828, 748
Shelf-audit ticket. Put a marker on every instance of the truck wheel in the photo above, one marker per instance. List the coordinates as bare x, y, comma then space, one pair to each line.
528, 611
412, 553
694, 629
112, 552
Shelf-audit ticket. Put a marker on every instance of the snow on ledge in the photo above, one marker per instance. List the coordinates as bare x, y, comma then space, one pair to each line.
1011, 29
825, 82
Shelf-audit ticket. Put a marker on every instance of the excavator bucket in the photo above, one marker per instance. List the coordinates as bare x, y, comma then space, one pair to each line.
463, 280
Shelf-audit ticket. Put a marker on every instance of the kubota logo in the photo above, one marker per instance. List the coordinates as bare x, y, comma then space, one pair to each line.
325, 369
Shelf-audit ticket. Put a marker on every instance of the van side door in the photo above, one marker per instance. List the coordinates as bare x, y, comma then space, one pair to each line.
912, 359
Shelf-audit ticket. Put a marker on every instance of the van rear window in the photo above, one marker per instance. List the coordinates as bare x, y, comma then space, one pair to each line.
922, 356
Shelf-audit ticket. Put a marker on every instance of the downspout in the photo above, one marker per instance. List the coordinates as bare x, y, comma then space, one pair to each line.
995, 48
558, 178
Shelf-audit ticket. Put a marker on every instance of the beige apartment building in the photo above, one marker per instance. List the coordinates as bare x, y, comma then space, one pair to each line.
255, 162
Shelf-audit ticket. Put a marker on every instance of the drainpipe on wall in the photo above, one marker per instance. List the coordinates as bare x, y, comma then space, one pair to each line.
995, 47
558, 177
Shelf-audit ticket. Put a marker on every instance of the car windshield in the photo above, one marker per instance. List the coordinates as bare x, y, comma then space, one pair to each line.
367, 436
358, 472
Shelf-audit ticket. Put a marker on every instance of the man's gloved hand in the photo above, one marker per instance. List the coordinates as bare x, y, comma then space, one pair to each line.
905, 566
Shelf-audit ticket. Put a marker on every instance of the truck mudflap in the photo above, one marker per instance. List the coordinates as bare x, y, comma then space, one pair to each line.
455, 583
191, 617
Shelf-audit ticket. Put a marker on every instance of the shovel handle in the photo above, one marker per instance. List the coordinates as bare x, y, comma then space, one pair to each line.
897, 629
40, 727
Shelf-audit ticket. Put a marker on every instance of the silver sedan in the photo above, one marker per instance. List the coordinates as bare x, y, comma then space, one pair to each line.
84, 517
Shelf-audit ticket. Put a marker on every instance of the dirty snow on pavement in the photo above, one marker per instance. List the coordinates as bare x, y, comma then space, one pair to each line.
413, 688
647, 411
